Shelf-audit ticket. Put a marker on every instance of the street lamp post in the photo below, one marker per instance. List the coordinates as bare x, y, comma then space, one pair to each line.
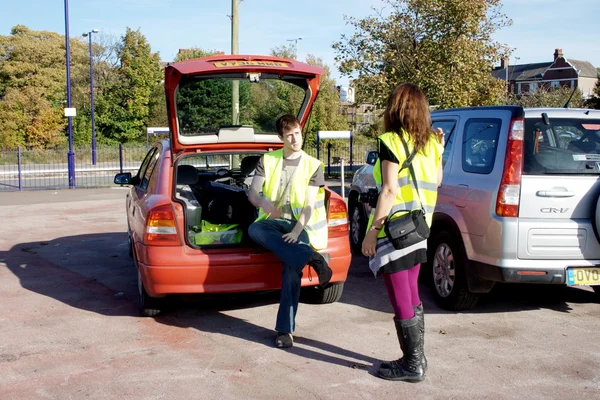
235, 112
89, 34
71, 155
295, 45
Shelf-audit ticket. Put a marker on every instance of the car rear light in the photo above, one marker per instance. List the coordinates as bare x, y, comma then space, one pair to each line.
507, 203
161, 229
337, 218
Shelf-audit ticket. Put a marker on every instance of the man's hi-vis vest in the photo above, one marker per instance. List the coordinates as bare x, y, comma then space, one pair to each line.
316, 227
425, 163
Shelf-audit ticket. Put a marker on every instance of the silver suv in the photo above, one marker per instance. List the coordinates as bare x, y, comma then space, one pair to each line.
518, 202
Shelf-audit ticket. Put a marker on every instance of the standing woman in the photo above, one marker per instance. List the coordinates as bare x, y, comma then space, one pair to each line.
407, 119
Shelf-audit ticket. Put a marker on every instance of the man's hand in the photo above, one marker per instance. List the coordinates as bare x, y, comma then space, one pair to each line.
270, 209
291, 237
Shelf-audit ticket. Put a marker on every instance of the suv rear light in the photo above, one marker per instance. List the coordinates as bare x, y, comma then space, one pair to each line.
507, 202
337, 218
161, 229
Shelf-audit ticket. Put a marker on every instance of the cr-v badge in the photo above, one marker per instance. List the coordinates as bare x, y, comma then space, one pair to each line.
552, 210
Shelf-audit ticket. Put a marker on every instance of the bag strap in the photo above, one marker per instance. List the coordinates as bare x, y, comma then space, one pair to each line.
287, 184
412, 170
406, 164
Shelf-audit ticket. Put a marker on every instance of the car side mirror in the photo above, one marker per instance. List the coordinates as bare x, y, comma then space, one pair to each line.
371, 157
123, 178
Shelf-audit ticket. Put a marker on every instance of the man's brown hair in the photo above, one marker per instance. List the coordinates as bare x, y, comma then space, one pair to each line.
285, 123
408, 108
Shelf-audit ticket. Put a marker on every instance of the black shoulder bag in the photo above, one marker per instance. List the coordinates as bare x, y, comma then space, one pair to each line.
411, 227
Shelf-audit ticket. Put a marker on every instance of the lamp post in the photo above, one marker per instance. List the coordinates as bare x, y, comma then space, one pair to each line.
295, 45
71, 155
89, 34
235, 112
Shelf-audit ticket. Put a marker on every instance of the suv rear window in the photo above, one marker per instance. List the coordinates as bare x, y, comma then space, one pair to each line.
564, 146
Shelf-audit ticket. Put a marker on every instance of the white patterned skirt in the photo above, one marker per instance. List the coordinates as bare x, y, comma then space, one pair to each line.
389, 260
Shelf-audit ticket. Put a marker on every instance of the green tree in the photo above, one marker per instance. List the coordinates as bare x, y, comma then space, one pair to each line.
124, 110
105, 64
205, 105
444, 46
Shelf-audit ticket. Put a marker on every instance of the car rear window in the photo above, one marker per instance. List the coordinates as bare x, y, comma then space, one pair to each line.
204, 105
561, 146
479, 144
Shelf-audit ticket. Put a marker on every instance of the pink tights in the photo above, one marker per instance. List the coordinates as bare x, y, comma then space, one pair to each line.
403, 291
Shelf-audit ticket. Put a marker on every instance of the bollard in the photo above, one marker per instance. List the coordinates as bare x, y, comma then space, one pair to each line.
342, 176
120, 158
329, 159
19, 168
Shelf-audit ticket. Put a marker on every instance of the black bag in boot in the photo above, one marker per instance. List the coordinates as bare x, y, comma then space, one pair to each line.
419, 316
410, 368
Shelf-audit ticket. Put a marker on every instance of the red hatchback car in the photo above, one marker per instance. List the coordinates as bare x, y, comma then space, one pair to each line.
187, 208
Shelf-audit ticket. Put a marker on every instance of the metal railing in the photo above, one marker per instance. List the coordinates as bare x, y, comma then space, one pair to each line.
47, 169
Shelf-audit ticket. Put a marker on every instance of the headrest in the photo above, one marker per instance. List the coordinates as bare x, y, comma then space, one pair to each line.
248, 164
187, 175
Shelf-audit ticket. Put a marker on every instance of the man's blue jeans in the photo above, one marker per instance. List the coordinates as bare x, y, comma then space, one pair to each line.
268, 233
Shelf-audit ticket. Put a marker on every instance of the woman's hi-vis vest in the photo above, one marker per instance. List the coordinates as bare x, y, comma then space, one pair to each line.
425, 163
316, 227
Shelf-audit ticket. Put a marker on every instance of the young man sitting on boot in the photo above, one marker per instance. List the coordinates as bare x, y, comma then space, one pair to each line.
292, 218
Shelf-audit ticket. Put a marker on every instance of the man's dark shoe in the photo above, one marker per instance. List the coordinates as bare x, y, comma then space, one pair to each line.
284, 340
317, 261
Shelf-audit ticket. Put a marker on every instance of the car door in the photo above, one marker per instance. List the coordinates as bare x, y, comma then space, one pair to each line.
559, 187
479, 173
448, 124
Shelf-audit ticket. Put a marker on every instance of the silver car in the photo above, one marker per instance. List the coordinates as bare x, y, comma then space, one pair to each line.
518, 201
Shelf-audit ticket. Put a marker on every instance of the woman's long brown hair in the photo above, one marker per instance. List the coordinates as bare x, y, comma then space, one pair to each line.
408, 108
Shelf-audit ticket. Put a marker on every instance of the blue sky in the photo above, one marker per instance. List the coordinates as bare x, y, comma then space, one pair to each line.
539, 26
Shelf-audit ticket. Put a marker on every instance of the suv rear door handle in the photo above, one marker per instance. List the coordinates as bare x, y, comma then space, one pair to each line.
554, 193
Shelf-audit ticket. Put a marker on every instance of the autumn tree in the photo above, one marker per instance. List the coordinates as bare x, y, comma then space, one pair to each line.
549, 97
325, 115
124, 111
195, 52
594, 102
444, 46
28, 118
33, 87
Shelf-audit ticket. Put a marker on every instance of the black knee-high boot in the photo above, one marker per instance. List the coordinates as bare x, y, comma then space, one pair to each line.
420, 317
410, 368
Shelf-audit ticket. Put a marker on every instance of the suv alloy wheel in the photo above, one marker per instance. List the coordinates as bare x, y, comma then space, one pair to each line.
447, 265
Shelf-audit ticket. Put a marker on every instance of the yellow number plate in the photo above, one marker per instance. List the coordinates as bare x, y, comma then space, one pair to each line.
221, 64
583, 276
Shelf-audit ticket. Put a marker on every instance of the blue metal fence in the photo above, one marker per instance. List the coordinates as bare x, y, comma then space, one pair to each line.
47, 169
